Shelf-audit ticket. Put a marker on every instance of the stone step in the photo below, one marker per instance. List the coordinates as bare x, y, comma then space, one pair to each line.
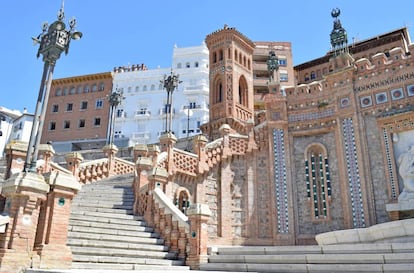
120, 268
138, 259
104, 212
127, 210
137, 221
144, 244
110, 195
120, 236
108, 205
121, 230
311, 268
128, 226
118, 252
107, 215
357, 258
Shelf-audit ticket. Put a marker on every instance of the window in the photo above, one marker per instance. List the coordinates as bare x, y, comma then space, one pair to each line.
66, 124
84, 105
72, 90
79, 89
81, 123
97, 122
94, 87
69, 107
55, 108
313, 75
318, 181
58, 92
101, 86
187, 65
196, 64
120, 113
99, 104
179, 65
284, 77
86, 89
282, 62
65, 91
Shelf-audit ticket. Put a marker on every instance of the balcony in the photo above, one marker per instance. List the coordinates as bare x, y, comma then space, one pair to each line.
141, 137
201, 89
142, 114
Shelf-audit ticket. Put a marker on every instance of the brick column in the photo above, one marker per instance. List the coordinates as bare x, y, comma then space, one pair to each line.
198, 215
52, 235
46, 152
24, 194
110, 151
15, 156
72, 163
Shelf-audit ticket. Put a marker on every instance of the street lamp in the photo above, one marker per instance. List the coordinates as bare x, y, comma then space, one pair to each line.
170, 84
272, 64
114, 99
53, 40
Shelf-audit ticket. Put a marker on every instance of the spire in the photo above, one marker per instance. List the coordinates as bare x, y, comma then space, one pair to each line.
339, 37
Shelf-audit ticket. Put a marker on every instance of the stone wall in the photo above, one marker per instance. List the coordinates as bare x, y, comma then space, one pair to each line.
305, 224
377, 168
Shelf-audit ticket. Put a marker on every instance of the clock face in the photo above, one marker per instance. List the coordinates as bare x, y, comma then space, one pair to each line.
62, 38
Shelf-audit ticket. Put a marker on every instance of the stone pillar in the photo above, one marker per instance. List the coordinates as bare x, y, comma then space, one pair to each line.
226, 179
15, 156
110, 151
199, 145
46, 152
140, 150
24, 194
167, 142
72, 163
198, 215
53, 224
157, 177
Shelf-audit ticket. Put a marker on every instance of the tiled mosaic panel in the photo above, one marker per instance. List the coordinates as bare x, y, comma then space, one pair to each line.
280, 181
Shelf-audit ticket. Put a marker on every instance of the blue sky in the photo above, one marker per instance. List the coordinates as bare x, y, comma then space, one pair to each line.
131, 31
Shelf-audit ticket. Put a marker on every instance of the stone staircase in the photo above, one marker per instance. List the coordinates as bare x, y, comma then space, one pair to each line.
384, 258
104, 233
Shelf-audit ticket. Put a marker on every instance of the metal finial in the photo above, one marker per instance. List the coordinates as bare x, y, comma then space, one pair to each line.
61, 13
335, 12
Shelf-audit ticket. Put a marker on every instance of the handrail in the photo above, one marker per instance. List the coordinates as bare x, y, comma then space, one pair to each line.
165, 203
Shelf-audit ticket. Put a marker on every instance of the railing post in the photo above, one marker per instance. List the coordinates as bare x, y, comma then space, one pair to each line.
110, 151
198, 214
24, 194
72, 163
46, 152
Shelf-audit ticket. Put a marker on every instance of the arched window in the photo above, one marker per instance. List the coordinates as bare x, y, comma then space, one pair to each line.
196, 64
179, 65
220, 55
318, 181
94, 87
182, 199
243, 91
214, 57
218, 92
235, 55
101, 86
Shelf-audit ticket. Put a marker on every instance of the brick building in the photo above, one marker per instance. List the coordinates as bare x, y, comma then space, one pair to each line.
283, 165
77, 115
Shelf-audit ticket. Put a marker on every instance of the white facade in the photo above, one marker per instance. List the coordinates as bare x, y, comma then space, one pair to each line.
141, 116
14, 126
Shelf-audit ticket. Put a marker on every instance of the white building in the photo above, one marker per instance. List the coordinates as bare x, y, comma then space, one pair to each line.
14, 125
141, 116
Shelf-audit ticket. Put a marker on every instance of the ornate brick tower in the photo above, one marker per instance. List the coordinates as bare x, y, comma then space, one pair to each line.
231, 80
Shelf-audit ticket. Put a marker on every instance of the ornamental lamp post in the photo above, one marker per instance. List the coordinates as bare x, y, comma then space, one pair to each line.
114, 99
53, 40
170, 84
272, 65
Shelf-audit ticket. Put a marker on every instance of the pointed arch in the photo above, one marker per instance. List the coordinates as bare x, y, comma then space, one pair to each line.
243, 92
318, 181
217, 91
